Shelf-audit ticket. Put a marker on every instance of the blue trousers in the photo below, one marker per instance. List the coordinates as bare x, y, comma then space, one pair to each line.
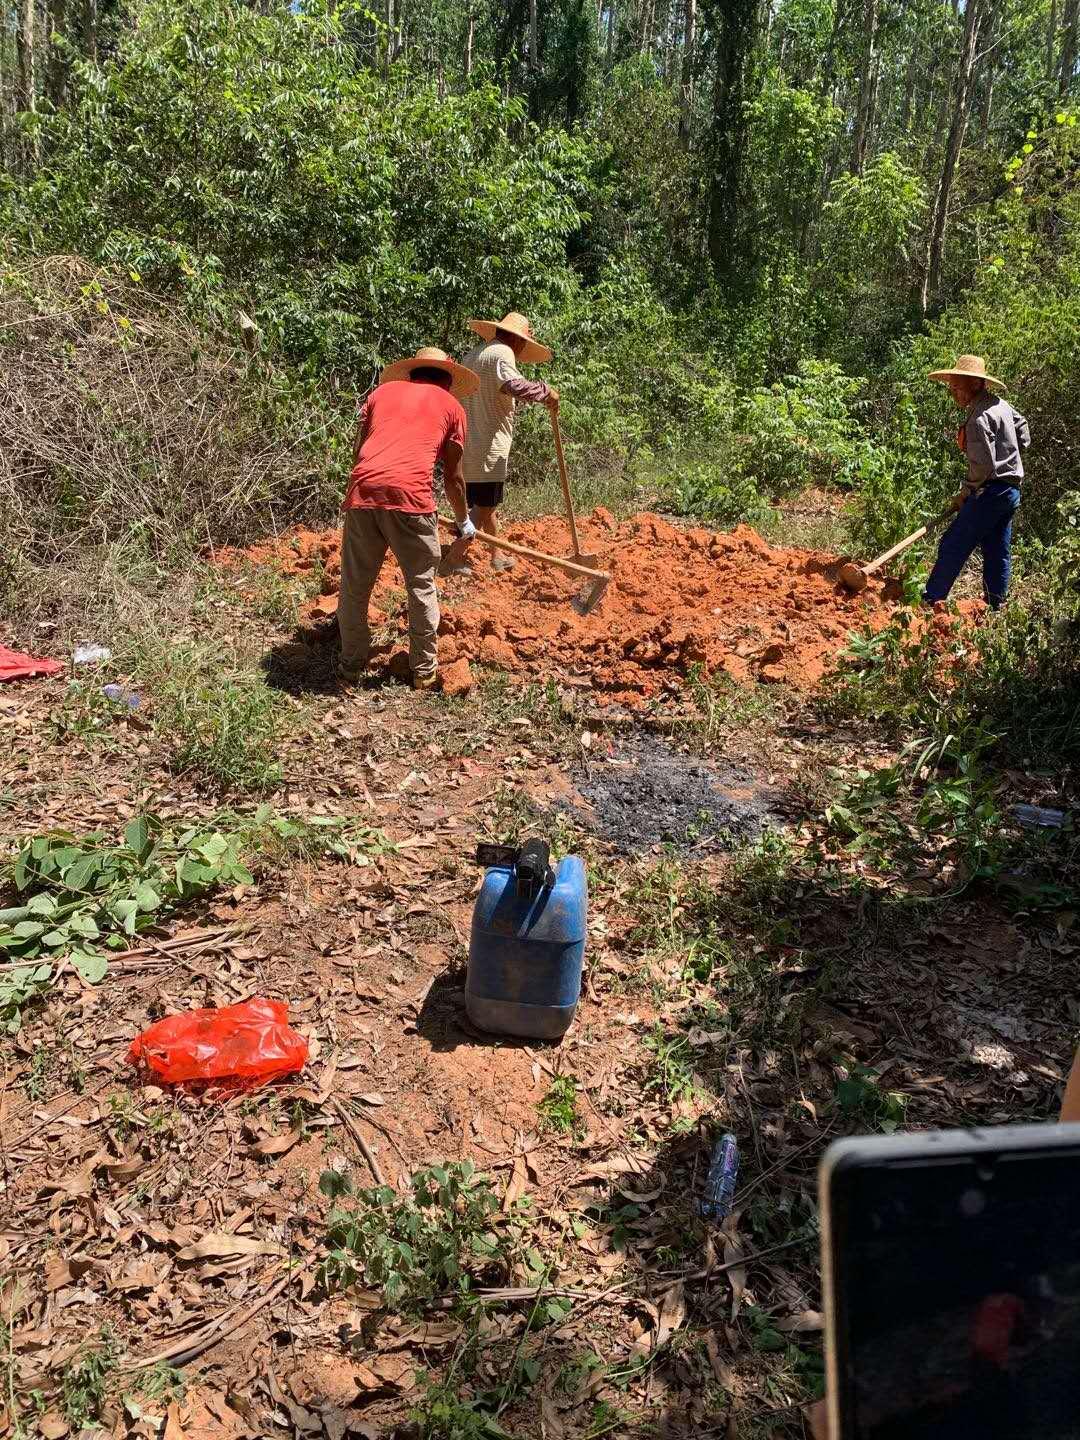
983, 522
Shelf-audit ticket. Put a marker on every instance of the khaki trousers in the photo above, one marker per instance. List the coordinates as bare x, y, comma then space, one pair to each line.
414, 540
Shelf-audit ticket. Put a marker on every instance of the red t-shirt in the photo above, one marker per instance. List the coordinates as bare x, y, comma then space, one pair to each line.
406, 427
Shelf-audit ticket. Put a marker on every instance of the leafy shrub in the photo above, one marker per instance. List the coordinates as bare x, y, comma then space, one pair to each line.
440, 1238
723, 497
802, 430
860, 1095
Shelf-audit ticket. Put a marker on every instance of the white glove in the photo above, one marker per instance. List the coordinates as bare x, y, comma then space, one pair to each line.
466, 529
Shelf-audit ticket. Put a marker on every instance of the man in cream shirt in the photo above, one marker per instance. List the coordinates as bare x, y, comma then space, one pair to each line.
490, 412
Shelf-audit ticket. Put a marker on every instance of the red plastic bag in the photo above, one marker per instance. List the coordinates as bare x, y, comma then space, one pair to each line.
14, 665
250, 1041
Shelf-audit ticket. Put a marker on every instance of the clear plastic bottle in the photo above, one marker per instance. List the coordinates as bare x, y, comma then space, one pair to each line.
715, 1205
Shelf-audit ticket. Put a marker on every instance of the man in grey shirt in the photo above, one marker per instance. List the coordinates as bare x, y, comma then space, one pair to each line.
993, 437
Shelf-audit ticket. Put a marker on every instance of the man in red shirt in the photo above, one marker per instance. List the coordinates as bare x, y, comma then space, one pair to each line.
412, 419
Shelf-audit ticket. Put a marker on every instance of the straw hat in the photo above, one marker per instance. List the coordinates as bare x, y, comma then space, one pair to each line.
972, 367
462, 381
533, 354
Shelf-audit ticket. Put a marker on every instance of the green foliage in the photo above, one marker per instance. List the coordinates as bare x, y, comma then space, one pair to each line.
861, 1096
82, 896
717, 494
220, 722
558, 1109
444, 1415
85, 1379
442, 1237
83, 893
1012, 678
671, 1072
354, 209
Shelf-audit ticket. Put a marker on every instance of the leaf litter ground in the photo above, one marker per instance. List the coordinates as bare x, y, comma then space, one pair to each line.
164, 1220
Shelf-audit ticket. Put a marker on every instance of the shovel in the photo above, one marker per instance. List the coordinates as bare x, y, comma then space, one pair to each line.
854, 577
601, 579
579, 557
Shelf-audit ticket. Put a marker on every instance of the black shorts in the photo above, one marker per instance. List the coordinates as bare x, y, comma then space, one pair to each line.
488, 496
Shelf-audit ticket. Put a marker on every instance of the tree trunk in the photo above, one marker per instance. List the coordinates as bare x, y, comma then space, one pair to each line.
56, 83
867, 72
534, 57
26, 93
988, 41
962, 87
647, 13
910, 76
731, 23
90, 29
687, 97
1051, 39
470, 34
1070, 20
611, 29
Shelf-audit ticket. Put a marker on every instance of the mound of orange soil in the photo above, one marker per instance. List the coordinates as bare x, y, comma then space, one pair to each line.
678, 599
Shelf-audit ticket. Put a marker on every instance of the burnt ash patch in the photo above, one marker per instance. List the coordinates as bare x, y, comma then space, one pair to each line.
647, 792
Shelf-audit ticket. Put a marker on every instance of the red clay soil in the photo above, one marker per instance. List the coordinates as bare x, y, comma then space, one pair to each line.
678, 599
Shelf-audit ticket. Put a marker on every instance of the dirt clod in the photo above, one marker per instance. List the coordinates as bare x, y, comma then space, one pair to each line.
457, 678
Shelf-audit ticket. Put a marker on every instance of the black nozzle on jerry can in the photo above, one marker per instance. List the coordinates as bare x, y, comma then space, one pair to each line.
528, 941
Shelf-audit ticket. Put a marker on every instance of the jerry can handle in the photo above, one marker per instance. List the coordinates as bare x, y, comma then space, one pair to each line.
533, 869
531, 864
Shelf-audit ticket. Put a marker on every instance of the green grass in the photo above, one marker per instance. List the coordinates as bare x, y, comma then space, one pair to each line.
219, 720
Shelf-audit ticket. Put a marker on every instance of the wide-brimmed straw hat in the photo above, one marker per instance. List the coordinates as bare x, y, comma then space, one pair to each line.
533, 354
971, 367
462, 380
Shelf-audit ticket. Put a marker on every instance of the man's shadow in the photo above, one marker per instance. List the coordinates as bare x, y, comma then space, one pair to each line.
304, 664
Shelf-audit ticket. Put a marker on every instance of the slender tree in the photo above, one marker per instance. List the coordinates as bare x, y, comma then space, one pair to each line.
687, 86
26, 95
867, 75
1051, 39
1070, 25
961, 96
731, 26
57, 62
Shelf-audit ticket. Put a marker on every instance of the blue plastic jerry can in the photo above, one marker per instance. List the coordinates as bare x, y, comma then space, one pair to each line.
528, 942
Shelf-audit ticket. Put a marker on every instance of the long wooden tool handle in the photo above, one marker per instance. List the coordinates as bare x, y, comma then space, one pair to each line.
902, 545
564, 481
897, 549
498, 543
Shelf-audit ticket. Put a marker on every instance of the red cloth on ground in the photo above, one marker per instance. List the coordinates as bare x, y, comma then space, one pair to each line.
407, 426
14, 665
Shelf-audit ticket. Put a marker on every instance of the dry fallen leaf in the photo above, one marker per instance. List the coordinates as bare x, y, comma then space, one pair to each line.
53, 1426
621, 1165
805, 1323
517, 1184
672, 1314
276, 1144
173, 1429
733, 1250
215, 1245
